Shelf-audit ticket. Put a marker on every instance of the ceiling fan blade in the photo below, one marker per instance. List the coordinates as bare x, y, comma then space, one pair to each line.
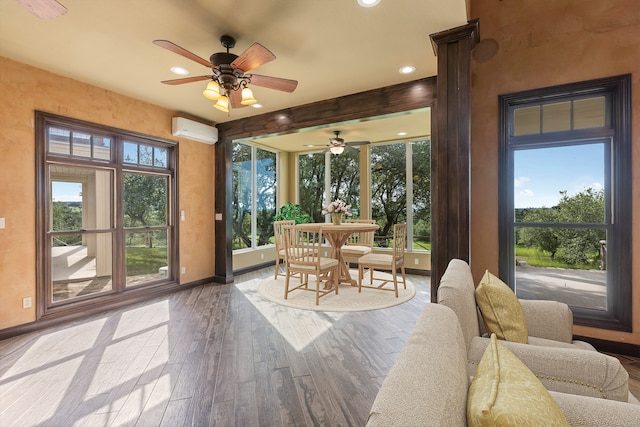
186, 80
277, 83
234, 99
44, 9
253, 57
356, 143
182, 52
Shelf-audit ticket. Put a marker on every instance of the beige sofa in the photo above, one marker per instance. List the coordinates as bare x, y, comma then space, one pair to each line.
559, 362
428, 384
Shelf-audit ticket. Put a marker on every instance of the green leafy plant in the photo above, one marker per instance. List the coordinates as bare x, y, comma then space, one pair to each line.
291, 211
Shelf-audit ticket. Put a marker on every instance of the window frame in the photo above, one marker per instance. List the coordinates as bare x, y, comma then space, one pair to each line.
617, 129
45, 307
254, 199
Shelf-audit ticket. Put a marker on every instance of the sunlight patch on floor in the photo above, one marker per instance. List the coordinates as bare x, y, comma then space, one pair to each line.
274, 313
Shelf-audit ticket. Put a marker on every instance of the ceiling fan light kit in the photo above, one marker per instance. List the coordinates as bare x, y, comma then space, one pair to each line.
336, 149
229, 84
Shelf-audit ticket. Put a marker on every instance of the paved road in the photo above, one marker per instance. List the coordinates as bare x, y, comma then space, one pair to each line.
578, 288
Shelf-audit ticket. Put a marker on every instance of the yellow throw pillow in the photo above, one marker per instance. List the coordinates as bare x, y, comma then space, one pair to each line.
504, 392
501, 310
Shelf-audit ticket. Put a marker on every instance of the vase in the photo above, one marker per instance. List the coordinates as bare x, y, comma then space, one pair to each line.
336, 218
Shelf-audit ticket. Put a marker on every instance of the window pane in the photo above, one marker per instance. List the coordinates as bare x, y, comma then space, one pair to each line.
421, 160
146, 155
388, 189
311, 170
80, 198
242, 196
160, 157
526, 121
130, 153
81, 264
266, 195
147, 256
589, 113
101, 148
345, 179
556, 117
59, 141
81, 144
571, 177
145, 200
562, 264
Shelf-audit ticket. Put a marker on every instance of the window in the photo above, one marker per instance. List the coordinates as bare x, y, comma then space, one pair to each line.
400, 183
104, 225
565, 198
254, 196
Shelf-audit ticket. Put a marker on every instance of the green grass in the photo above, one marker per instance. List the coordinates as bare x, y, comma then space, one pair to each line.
141, 260
538, 258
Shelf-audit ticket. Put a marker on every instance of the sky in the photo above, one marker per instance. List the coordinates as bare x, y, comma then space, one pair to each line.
540, 174
66, 191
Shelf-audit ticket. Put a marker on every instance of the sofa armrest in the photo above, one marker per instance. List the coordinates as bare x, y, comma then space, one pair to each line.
552, 320
587, 411
565, 370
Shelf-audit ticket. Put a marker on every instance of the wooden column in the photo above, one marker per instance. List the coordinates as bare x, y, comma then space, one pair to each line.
450, 149
223, 211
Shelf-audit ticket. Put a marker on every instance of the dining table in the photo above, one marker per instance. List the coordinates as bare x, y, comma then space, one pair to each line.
337, 235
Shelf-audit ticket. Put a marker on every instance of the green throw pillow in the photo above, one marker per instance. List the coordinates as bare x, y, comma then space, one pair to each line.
504, 392
501, 310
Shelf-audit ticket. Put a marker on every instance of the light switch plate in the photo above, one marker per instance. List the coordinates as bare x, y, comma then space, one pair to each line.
1, 222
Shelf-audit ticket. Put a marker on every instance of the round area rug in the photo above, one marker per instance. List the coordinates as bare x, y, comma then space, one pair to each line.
348, 298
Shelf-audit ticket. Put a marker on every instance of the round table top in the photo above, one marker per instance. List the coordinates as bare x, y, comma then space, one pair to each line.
345, 226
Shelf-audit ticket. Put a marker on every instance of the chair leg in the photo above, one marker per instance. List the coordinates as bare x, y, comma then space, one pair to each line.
404, 279
286, 286
395, 282
275, 277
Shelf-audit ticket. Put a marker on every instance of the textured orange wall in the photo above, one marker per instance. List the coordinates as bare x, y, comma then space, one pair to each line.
25, 89
545, 43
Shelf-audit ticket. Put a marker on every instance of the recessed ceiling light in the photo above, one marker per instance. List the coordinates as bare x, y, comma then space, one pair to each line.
179, 71
408, 69
368, 3
402, 133
256, 105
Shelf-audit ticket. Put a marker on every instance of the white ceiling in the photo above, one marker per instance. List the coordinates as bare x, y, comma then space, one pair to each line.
332, 47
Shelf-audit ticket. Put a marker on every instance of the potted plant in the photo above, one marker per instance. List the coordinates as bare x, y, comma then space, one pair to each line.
291, 211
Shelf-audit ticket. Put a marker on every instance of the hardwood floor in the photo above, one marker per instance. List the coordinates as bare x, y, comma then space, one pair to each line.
211, 355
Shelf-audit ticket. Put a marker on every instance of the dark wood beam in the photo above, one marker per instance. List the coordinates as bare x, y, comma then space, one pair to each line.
450, 149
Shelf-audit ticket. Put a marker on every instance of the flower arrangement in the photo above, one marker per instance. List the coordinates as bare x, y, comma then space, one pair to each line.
337, 206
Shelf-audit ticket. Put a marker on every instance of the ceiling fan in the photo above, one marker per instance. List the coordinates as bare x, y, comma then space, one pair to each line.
44, 9
337, 144
230, 81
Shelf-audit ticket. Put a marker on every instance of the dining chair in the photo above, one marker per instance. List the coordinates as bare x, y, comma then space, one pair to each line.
385, 262
303, 257
358, 244
279, 240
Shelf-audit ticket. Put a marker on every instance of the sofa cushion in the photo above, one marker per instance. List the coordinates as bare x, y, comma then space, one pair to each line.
501, 310
456, 292
428, 383
504, 392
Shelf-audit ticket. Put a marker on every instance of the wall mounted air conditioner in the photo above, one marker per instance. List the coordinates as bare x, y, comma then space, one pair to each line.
194, 130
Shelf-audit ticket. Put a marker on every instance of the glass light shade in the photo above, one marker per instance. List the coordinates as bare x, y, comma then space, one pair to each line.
336, 149
212, 91
222, 104
247, 97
